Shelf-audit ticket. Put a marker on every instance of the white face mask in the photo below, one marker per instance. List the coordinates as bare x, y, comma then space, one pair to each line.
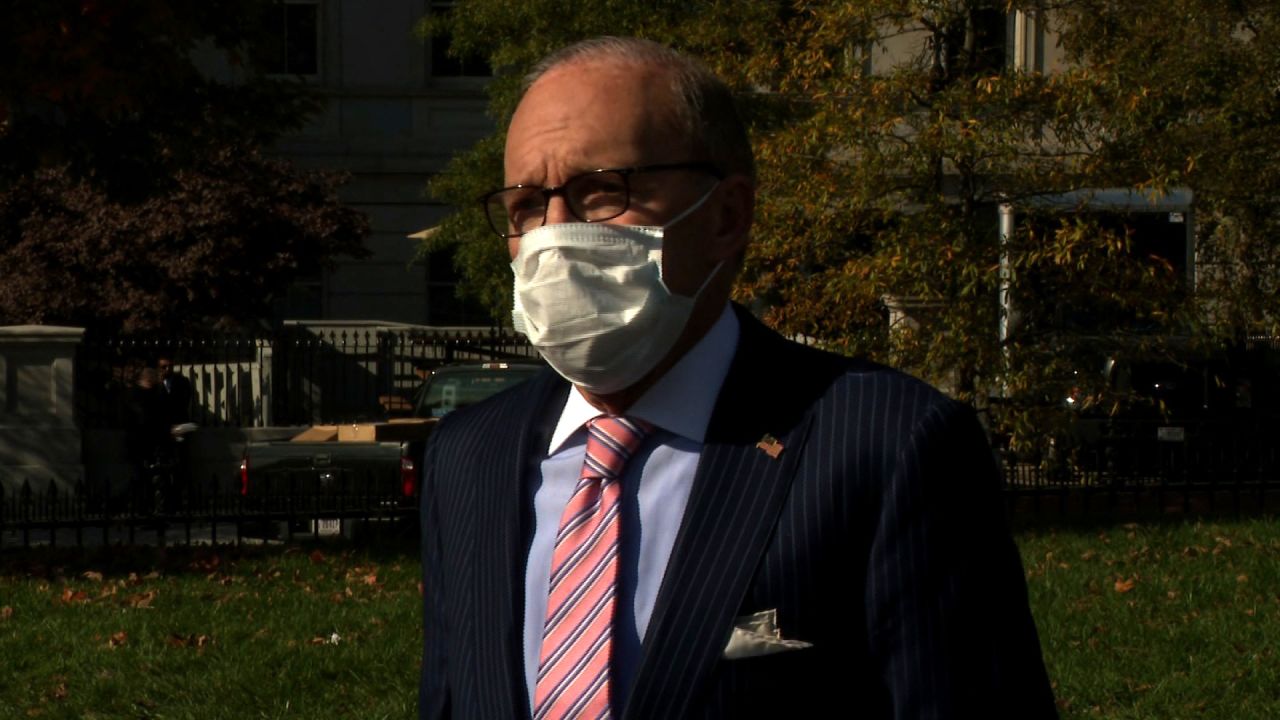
591, 299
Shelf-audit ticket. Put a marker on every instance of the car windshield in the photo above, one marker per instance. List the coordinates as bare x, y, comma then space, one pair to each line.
452, 388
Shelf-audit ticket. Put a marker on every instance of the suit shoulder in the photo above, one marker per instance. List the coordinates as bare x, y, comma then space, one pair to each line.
851, 381
849, 396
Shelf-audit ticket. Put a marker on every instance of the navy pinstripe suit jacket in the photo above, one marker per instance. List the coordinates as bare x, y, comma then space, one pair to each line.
877, 534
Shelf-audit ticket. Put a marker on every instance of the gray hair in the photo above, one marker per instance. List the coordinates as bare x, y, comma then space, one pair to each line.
704, 106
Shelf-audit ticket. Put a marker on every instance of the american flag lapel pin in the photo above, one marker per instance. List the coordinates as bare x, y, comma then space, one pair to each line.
770, 445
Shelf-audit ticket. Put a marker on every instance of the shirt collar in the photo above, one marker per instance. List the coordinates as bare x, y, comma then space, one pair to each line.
681, 401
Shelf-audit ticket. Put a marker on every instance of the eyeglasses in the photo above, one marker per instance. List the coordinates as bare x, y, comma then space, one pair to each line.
593, 196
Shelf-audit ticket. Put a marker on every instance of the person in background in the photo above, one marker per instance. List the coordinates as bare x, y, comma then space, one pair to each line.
175, 389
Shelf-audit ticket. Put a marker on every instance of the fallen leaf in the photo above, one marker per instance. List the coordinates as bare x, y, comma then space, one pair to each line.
317, 557
207, 563
370, 579
153, 575
93, 575
1124, 586
183, 641
118, 639
141, 600
70, 596
1242, 578
6, 612
60, 691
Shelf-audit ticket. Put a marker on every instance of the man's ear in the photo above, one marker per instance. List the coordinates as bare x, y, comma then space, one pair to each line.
735, 210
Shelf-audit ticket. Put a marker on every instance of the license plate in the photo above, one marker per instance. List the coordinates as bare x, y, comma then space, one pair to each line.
328, 527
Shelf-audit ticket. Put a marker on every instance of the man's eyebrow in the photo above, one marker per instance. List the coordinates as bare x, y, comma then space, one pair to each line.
570, 173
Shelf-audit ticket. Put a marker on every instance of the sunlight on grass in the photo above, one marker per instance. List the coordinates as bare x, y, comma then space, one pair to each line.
1160, 621
231, 633
1177, 620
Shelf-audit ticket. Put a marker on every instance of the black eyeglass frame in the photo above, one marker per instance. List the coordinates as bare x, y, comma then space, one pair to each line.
554, 190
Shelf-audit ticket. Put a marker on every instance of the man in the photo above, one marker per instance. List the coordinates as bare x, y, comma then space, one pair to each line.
175, 389
162, 401
693, 517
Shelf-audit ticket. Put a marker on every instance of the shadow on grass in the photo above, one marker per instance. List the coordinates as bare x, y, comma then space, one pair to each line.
1101, 508
60, 563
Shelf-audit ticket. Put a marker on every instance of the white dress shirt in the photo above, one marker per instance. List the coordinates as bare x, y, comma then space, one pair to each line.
655, 490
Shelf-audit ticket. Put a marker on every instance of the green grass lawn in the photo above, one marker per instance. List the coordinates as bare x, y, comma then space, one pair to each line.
1172, 620
311, 632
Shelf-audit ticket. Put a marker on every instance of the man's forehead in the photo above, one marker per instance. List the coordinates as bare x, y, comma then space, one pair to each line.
589, 113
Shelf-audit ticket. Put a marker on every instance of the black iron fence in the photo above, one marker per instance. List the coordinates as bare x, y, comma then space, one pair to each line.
1132, 466
1207, 468
303, 374
166, 511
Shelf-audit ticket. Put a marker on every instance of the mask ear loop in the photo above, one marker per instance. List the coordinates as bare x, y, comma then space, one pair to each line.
698, 293
714, 271
692, 208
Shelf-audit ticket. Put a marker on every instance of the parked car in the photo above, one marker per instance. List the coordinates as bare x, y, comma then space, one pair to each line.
1202, 413
455, 386
333, 472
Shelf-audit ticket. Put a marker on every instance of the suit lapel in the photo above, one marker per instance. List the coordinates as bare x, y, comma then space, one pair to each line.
505, 502
738, 492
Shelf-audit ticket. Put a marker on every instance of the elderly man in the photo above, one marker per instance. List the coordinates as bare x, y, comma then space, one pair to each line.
693, 517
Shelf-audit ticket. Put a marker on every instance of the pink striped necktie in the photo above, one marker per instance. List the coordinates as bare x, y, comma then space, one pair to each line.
577, 639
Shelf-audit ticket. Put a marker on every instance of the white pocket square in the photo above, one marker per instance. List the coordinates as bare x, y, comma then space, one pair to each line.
758, 634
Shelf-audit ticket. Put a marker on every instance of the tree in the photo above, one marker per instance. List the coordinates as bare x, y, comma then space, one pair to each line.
135, 193
889, 132
1197, 101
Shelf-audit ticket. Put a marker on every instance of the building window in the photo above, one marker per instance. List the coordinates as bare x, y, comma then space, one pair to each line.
293, 45
444, 306
976, 43
444, 65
